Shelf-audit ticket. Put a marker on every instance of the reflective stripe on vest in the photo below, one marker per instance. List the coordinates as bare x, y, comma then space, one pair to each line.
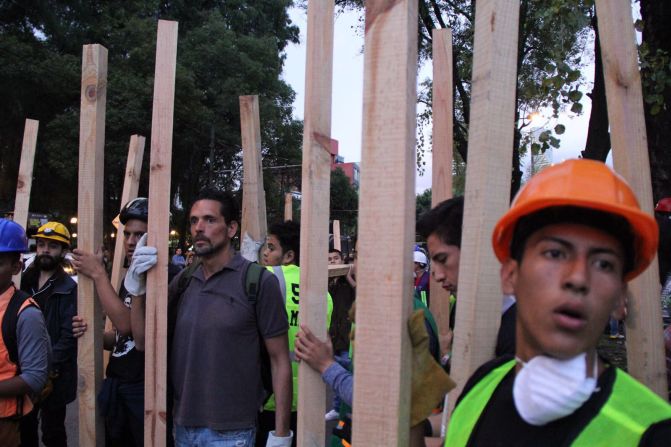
9, 406
630, 409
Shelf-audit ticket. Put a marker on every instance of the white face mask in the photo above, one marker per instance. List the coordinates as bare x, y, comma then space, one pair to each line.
547, 389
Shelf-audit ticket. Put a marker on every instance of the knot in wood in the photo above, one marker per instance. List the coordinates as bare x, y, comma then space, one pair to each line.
91, 92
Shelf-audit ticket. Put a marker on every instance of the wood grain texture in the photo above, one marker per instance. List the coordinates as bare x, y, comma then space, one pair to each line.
24, 182
129, 192
387, 203
253, 195
316, 174
442, 155
488, 176
288, 206
336, 235
645, 343
156, 325
89, 238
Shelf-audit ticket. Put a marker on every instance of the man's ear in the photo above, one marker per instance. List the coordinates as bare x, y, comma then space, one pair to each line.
509, 276
17, 266
620, 309
232, 229
288, 257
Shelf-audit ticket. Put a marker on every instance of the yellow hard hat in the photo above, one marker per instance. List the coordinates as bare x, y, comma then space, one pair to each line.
585, 184
55, 231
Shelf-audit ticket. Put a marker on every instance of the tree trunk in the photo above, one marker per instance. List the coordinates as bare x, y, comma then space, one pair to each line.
597, 145
657, 35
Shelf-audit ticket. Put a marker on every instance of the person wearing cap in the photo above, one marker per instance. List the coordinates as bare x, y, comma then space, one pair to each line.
421, 274
122, 395
56, 294
24, 351
571, 241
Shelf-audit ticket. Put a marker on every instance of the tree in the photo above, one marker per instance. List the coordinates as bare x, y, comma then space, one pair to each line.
225, 49
552, 34
344, 202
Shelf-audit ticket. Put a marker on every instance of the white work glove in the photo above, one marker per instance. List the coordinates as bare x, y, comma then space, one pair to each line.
276, 441
144, 258
249, 248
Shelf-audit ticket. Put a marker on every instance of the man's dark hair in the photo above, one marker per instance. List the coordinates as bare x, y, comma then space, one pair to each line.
335, 250
229, 206
614, 225
289, 235
445, 220
12, 256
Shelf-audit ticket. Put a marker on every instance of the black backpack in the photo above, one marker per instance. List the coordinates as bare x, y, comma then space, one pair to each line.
252, 279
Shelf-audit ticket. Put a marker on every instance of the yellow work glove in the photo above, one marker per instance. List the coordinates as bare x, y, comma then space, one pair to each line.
430, 382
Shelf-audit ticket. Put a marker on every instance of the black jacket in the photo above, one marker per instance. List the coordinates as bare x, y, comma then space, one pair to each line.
58, 301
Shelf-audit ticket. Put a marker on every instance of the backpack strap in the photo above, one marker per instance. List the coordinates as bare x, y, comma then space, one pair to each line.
10, 323
252, 280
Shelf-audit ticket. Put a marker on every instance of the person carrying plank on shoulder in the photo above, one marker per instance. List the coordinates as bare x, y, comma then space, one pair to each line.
281, 255
122, 395
217, 327
572, 239
56, 294
25, 349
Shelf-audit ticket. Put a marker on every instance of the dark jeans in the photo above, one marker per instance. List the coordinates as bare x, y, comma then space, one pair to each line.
53, 427
124, 420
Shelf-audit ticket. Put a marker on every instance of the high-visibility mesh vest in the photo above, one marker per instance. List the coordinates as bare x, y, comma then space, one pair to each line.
289, 277
630, 409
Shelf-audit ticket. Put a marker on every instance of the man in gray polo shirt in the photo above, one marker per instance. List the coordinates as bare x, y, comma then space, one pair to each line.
215, 352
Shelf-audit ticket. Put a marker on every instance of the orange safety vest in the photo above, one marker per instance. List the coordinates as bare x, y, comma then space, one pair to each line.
19, 405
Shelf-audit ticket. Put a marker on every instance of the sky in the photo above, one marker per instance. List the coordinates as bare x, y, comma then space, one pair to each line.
347, 97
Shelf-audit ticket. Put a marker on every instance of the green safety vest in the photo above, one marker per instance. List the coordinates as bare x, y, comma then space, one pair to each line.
289, 277
630, 409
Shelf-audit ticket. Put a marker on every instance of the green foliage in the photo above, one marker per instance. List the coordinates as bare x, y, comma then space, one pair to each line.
422, 203
656, 69
225, 49
344, 202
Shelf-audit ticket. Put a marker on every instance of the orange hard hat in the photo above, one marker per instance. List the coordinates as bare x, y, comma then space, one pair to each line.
585, 184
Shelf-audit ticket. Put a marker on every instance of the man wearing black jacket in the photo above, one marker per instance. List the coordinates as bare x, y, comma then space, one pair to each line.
56, 294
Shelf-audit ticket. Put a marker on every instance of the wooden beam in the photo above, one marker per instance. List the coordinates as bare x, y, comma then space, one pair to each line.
645, 342
441, 164
25, 181
488, 176
384, 275
336, 235
131, 185
253, 195
156, 323
338, 270
89, 238
288, 206
316, 175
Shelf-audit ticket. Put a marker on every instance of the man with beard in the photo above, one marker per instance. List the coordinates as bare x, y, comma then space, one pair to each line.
56, 294
215, 332
122, 395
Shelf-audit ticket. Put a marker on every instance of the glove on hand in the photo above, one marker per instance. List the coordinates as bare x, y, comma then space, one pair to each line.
430, 382
144, 258
276, 441
249, 248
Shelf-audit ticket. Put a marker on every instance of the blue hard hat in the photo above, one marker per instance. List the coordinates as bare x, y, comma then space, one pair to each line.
12, 237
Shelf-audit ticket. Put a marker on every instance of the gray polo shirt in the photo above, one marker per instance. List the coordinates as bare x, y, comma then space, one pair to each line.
215, 354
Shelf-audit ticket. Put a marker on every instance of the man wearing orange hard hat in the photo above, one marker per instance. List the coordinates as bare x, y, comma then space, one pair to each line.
571, 240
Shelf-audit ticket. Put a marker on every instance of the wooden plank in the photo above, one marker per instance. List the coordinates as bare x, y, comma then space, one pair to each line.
89, 238
488, 176
336, 235
156, 323
387, 197
24, 182
645, 343
441, 164
253, 195
338, 270
316, 174
131, 185
288, 206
